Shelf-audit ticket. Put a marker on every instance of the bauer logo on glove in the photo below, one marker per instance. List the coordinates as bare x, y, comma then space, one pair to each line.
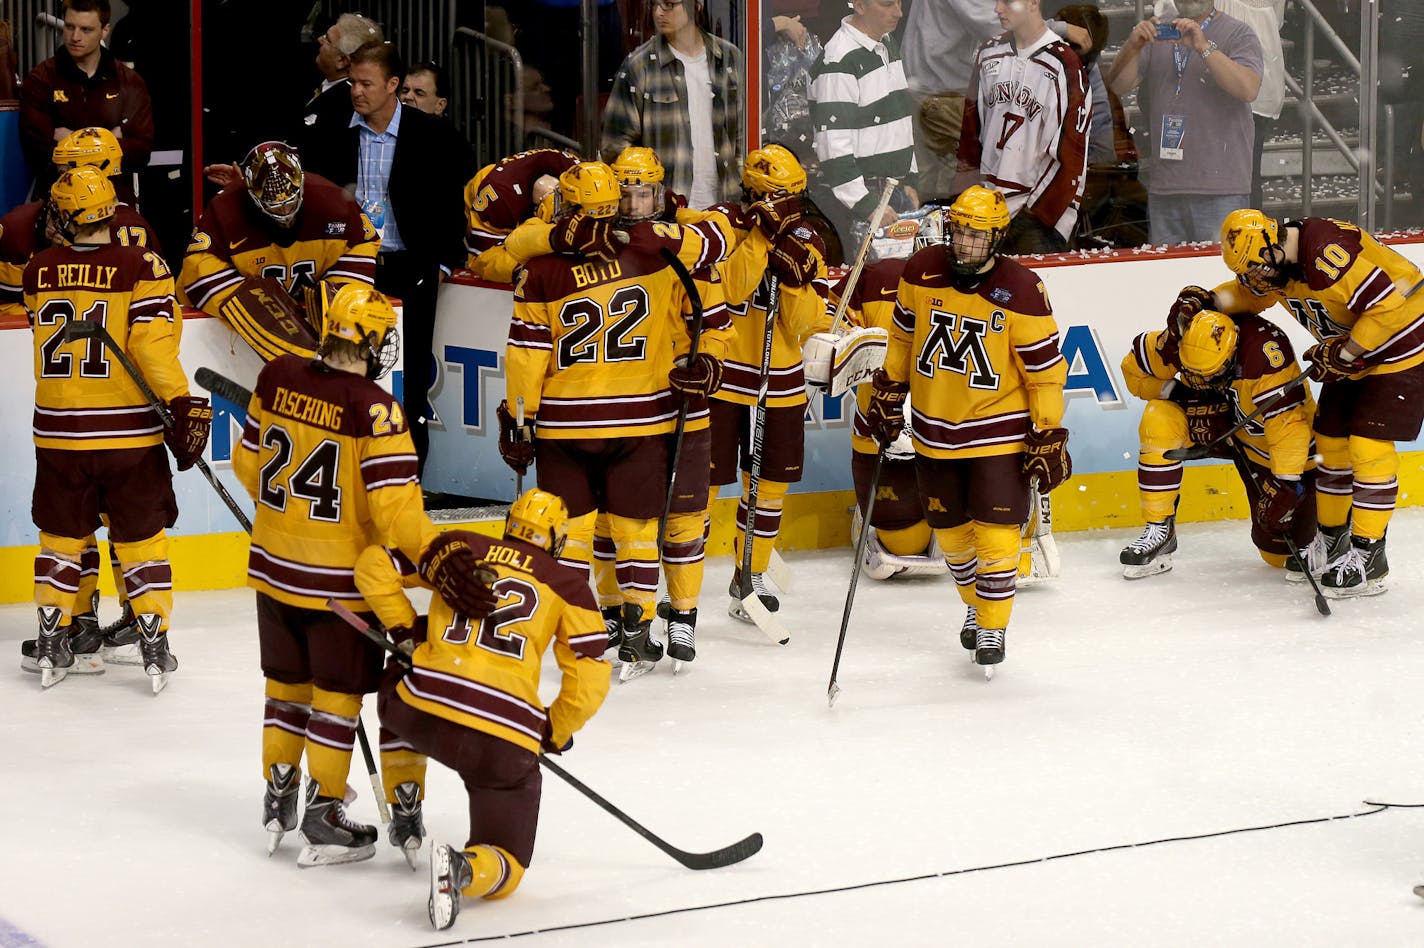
836, 362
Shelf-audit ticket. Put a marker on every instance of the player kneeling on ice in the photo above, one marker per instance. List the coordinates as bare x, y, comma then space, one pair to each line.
470, 698
1203, 376
974, 344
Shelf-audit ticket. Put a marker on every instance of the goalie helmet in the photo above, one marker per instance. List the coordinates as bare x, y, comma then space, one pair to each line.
80, 197
539, 518
592, 186
1251, 249
94, 147
274, 177
1207, 352
773, 169
360, 314
640, 181
978, 223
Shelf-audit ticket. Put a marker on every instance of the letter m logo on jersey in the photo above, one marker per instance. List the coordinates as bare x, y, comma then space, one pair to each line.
965, 354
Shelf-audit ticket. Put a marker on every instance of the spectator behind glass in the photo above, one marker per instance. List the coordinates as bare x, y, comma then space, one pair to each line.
83, 85
548, 34
328, 108
860, 107
1198, 92
536, 107
1265, 18
424, 88
790, 53
680, 95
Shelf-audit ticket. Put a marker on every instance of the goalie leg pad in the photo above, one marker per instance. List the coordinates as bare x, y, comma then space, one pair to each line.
838, 362
271, 322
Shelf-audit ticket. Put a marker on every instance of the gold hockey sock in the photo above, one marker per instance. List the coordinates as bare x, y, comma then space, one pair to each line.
637, 565
284, 724
57, 569
684, 556
997, 575
147, 576
331, 735
605, 559
496, 873
771, 495
957, 544
1334, 481
1376, 486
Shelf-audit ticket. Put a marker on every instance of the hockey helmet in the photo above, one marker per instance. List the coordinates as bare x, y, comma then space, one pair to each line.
773, 169
1251, 249
82, 195
592, 186
640, 180
94, 147
360, 314
274, 177
978, 222
539, 518
1207, 352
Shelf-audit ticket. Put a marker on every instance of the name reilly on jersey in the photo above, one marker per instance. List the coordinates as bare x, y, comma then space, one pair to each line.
305, 408
86, 275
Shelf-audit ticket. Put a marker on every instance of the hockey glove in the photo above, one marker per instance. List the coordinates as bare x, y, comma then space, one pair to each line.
773, 216
886, 413
699, 379
1328, 363
1046, 457
451, 567
590, 236
1189, 302
672, 203
1209, 414
406, 639
192, 421
516, 444
1278, 502
796, 256
547, 745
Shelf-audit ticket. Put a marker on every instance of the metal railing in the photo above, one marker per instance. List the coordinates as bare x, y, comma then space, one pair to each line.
487, 94
33, 23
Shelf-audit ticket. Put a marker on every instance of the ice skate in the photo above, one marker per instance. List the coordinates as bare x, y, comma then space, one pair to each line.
989, 649
121, 640
1150, 553
279, 803
407, 829
158, 661
83, 641
1328, 545
639, 651
331, 837
969, 631
53, 656
681, 636
449, 873
768, 599
1360, 571
613, 625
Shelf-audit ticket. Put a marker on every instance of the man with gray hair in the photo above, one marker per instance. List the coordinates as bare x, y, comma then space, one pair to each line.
328, 110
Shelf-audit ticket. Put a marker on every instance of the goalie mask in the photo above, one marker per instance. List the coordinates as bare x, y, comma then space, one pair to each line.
1251, 249
1207, 352
92, 147
362, 316
590, 186
978, 223
273, 174
640, 182
81, 197
772, 169
539, 518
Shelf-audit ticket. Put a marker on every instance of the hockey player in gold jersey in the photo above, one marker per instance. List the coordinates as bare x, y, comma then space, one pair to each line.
287, 226
590, 352
975, 346
1200, 378
1362, 301
96, 434
471, 698
327, 456
499, 198
771, 235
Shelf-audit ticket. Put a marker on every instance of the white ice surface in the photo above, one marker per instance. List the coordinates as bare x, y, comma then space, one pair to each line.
1209, 698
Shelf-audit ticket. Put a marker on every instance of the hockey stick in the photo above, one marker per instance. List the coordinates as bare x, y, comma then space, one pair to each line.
833, 690
223, 386
519, 427
1321, 605
1195, 452
716, 859
695, 298
751, 603
880, 206
75, 329
376, 789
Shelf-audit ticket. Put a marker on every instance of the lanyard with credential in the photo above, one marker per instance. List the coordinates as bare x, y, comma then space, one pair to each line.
1180, 54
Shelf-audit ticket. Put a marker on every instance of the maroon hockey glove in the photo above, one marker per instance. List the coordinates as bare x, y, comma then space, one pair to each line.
699, 379
516, 445
886, 414
590, 236
1278, 502
1046, 457
773, 216
449, 565
1189, 302
672, 203
1328, 362
406, 639
547, 745
192, 421
1209, 414
796, 256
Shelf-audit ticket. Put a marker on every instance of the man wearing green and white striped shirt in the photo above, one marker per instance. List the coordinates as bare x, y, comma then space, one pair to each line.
860, 108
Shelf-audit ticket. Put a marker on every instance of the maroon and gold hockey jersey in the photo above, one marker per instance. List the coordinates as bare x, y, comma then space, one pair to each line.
871, 305
84, 400
1265, 364
1348, 283
328, 458
485, 674
982, 361
22, 235
330, 240
500, 196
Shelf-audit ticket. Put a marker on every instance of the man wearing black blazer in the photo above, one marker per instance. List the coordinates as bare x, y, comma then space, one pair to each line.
408, 172
327, 113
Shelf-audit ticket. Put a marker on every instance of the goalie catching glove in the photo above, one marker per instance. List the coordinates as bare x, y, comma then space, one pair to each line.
836, 362
697, 379
886, 413
451, 567
192, 421
268, 319
1046, 457
516, 444
1278, 502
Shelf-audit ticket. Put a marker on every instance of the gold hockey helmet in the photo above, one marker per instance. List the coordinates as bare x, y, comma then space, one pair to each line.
772, 169
978, 223
83, 195
274, 177
540, 518
92, 147
640, 182
1251, 249
638, 165
1207, 352
592, 186
360, 314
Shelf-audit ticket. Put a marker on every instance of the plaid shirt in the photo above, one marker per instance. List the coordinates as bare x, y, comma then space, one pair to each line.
648, 106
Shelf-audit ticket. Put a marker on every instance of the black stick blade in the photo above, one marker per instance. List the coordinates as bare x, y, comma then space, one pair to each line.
729, 856
1193, 453
81, 329
1321, 604
224, 386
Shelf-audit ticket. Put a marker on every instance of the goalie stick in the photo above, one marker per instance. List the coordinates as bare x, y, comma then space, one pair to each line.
716, 859
833, 690
880, 206
93, 329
